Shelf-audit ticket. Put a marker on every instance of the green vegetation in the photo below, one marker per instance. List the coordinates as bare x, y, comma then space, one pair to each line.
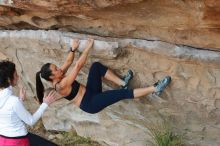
163, 136
72, 139
62, 138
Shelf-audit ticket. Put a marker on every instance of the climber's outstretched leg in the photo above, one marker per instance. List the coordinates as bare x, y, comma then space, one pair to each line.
93, 103
158, 88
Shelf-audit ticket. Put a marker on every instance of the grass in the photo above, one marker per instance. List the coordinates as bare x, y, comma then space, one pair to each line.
72, 139
62, 138
163, 135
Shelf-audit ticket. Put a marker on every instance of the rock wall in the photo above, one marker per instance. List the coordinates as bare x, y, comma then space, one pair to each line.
191, 102
189, 22
152, 37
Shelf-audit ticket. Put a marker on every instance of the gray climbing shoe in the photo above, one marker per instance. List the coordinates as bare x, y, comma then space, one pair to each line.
127, 78
161, 85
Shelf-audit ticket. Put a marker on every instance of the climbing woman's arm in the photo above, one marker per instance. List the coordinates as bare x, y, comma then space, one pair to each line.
79, 64
70, 57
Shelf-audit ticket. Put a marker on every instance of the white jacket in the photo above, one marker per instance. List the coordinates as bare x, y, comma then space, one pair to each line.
13, 114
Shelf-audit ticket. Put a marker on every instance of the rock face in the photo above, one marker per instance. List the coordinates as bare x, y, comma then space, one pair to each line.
154, 38
189, 22
191, 102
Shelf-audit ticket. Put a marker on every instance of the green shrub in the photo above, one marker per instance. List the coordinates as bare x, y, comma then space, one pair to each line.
163, 136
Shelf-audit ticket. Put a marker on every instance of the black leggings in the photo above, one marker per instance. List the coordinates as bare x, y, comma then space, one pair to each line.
94, 99
36, 140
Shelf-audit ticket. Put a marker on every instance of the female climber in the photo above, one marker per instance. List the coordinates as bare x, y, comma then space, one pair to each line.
90, 98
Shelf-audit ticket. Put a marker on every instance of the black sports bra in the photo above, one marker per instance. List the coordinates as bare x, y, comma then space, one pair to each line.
74, 91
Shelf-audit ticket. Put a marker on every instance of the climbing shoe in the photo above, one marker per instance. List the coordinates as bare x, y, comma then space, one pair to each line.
127, 78
161, 85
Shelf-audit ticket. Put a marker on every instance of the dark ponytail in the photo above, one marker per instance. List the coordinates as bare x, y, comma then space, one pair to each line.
7, 70
45, 73
39, 88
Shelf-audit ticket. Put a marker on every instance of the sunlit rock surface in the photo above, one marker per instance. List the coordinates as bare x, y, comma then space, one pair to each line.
154, 38
191, 102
